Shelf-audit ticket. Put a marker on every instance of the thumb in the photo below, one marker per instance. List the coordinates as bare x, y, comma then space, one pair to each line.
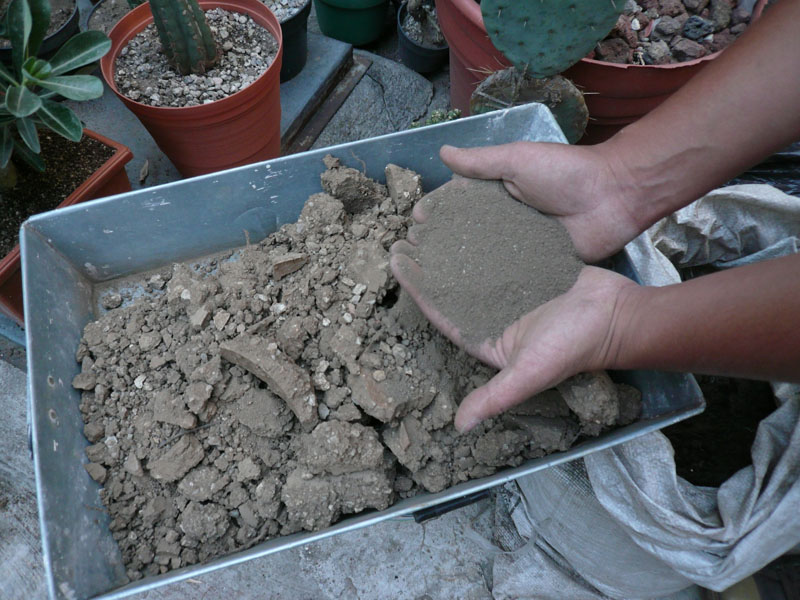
509, 387
488, 162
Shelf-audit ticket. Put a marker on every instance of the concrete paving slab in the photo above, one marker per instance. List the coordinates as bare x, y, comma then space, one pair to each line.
387, 99
22, 575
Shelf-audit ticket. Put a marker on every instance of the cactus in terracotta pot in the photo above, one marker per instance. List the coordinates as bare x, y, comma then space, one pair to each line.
185, 35
547, 37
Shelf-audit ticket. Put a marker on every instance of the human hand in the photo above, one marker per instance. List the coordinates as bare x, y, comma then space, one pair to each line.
572, 333
580, 185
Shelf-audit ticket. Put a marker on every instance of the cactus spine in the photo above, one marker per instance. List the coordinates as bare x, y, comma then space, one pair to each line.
185, 35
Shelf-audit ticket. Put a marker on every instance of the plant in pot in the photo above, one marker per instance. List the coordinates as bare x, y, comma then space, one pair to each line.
616, 94
291, 14
420, 41
63, 24
203, 79
29, 88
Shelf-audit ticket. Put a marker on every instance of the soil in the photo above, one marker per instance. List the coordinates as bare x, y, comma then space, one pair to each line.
290, 383
427, 32
246, 50
108, 12
712, 446
284, 9
477, 232
67, 166
656, 32
60, 12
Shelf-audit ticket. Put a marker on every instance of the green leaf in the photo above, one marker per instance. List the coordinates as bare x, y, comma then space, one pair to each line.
60, 119
40, 13
21, 102
33, 159
36, 68
6, 146
74, 87
4, 74
27, 131
20, 23
79, 50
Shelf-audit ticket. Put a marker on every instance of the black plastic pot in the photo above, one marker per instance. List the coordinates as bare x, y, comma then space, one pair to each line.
52, 42
295, 42
423, 59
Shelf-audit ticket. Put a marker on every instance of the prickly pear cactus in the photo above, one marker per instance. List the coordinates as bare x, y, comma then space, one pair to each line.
511, 87
185, 35
545, 37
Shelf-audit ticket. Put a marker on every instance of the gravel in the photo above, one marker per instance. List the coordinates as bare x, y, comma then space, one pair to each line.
284, 9
246, 51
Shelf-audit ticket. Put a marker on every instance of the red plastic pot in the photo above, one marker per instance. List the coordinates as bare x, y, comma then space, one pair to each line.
616, 95
108, 180
238, 130
472, 55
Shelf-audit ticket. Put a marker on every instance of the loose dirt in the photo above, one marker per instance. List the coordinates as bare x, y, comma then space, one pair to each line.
290, 383
489, 259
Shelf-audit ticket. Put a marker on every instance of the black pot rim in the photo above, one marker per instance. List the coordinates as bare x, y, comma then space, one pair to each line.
306, 8
400, 15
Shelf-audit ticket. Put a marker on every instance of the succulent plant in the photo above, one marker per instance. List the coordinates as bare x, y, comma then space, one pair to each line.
29, 85
545, 37
185, 35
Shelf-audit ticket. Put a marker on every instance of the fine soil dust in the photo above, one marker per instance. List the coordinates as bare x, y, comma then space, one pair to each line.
291, 383
477, 233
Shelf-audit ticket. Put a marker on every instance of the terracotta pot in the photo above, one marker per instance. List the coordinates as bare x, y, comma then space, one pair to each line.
472, 55
238, 130
616, 95
108, 180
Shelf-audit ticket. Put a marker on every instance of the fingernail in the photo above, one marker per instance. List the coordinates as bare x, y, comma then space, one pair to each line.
466, 427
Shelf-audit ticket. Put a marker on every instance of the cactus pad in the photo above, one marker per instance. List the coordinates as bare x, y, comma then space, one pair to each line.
545, 37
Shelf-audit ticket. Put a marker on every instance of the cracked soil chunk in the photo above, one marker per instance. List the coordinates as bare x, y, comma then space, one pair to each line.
284, 385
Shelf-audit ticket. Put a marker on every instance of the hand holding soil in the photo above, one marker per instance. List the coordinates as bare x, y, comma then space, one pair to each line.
475, 261
583, 188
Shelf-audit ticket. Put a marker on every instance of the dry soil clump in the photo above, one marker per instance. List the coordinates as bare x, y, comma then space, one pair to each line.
288, 384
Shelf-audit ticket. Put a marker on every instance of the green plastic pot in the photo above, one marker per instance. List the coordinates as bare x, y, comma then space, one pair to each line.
356, 22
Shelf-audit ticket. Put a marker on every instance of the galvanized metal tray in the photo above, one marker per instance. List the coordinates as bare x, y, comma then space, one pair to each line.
67, 253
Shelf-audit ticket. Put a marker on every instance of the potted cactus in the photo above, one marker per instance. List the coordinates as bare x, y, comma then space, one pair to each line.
616, 94
28, 89
198, 135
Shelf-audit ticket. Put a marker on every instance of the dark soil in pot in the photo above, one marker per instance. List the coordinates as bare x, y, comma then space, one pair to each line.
105, 14
143, 74
60, 12
68, 165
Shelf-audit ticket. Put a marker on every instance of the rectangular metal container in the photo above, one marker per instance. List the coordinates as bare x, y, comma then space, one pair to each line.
65, 253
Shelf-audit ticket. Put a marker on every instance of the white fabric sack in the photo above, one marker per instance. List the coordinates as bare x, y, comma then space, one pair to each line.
622, 523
